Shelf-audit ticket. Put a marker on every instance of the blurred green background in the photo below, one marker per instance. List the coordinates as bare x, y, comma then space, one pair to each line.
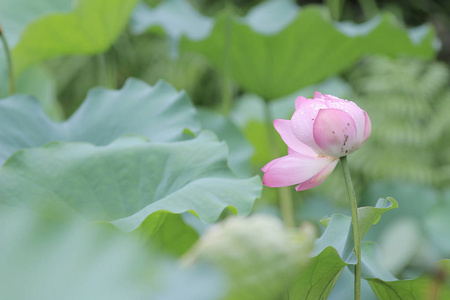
243, 63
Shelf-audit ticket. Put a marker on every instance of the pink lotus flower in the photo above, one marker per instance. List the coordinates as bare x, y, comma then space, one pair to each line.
320, 131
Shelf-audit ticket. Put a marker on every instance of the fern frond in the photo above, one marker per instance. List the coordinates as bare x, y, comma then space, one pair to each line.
408, 101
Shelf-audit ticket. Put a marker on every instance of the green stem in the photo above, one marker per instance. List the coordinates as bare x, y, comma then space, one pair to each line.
355, 225
284, 193
369, 8
103, 71
227, 85
335, 7
106, 69
12, 88
286, 206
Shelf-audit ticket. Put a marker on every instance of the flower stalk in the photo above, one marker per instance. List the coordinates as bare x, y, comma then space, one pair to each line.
355, 225
12, 88
226, 84
284, 194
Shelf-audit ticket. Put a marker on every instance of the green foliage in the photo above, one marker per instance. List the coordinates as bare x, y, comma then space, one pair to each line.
49, 30
411, 237
319, 278
174, 17
432, 286
51, 255
333, 251
128, 180
39, 83
224, 128
369, 216
160, 113
249, 113
17, 15
408, 102
167, 233
145, 57
267, 51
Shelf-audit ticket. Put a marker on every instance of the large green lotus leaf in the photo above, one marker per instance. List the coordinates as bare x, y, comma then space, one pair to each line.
129, 179
334, 237
431, 285
160, 113
48, 30
403, 231
343, 289
319, 278
373, 266
434, 284
240, 149
369, 216
333, 251
16, 15
276, 58
334, 248
49, 255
